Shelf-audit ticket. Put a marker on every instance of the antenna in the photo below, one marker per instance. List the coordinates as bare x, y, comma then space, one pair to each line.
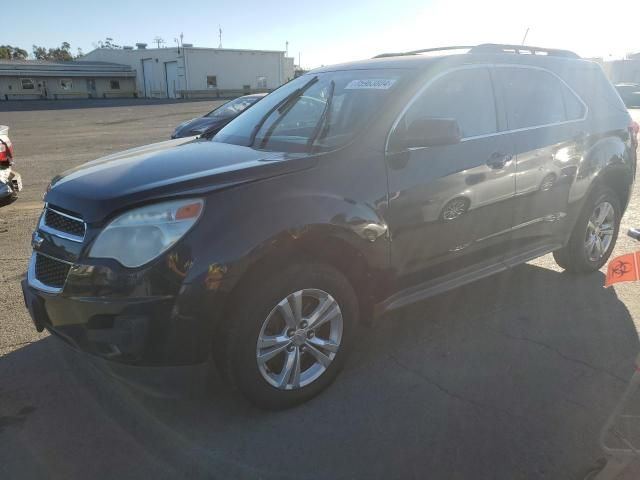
159, 41
525, 36
220, 36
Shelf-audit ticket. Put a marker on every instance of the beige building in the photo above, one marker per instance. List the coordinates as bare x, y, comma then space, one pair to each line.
193, 72
35, 79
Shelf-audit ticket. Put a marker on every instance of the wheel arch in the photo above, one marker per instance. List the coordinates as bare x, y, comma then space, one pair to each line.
357, 259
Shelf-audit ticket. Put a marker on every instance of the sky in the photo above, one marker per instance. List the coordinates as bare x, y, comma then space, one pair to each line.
330, 31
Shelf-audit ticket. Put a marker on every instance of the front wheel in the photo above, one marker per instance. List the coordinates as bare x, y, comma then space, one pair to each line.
594, 235
290, 336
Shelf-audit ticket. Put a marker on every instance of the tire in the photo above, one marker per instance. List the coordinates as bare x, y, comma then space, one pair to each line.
574, 257
257, 314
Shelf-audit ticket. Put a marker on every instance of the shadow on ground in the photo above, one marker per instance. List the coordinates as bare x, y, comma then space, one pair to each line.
510, 378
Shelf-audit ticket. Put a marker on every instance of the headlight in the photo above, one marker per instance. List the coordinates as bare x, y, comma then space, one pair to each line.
140, 235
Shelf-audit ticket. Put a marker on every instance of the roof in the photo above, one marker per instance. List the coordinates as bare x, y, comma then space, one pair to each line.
165, 49
479, 54
64, 69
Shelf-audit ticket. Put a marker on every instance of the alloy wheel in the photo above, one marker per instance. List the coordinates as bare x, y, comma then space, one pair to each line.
454, 209
299, 339
600, 231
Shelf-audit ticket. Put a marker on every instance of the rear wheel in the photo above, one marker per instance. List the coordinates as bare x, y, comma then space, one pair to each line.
594, 235
290, 336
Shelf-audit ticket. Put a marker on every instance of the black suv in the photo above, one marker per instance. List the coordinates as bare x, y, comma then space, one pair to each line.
350, 191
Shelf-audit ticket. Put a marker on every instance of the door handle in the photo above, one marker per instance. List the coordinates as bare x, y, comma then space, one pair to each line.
499, 160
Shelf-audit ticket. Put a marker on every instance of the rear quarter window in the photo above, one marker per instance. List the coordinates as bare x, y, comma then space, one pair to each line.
593, 87
573, 106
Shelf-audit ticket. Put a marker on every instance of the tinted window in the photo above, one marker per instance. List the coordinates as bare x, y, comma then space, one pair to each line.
573, 107
314, 112
532, 97
463, 95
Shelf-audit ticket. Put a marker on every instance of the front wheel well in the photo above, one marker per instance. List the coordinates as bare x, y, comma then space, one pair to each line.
338, 253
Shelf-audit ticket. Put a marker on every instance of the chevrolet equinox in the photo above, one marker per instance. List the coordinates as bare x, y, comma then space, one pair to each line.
348, 192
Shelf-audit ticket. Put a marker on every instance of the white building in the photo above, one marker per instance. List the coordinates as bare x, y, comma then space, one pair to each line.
190, 72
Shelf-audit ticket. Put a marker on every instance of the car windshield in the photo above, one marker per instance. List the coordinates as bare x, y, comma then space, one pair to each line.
232, 108
318, 112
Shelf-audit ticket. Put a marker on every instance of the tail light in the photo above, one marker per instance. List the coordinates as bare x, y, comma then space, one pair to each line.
633, 130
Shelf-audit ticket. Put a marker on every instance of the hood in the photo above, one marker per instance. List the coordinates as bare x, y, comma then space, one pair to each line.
172, 168
198, 125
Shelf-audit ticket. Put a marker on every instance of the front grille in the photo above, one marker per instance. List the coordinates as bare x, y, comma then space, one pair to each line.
63, 223
51, 272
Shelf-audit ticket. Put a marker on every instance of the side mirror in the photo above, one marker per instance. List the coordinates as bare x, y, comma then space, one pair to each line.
432, 132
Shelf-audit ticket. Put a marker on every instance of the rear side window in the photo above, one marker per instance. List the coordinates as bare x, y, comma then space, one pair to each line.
574, 108
534, 98
464, 95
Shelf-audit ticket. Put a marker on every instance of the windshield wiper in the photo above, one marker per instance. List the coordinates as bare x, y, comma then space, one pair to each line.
282, 106
322, 127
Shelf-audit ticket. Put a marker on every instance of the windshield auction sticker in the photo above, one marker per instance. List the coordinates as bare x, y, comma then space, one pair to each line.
372, 84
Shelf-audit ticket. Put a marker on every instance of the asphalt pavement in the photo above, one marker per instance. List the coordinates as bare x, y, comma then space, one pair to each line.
510, 377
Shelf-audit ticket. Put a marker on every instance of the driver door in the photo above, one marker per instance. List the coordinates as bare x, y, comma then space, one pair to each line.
451, 206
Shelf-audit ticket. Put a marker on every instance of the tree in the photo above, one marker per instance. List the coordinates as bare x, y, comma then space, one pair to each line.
20, 53
7, 52
60, 54
40, 53
107, 43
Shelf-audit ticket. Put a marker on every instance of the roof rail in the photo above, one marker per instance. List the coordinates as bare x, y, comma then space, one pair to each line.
425, 50
518, 49
490, 48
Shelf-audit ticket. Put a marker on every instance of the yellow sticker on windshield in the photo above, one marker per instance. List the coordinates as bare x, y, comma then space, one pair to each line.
373, 84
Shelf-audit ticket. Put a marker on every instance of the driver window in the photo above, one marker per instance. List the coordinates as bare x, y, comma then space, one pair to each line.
464, 95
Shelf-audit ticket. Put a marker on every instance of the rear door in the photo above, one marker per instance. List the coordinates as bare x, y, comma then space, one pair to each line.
545, 121
450, 206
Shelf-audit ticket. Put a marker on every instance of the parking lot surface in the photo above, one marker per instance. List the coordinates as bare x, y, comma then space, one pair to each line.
510, 377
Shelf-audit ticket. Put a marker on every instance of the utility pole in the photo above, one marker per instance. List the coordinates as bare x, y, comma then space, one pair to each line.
220, 36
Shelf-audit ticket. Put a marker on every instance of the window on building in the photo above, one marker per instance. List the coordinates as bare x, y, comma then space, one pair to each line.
212, 81
114, 84
261, 82
66, 84
464, 95
27, 84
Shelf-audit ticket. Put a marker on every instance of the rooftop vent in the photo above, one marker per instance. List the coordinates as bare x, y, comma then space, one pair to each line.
141, 46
